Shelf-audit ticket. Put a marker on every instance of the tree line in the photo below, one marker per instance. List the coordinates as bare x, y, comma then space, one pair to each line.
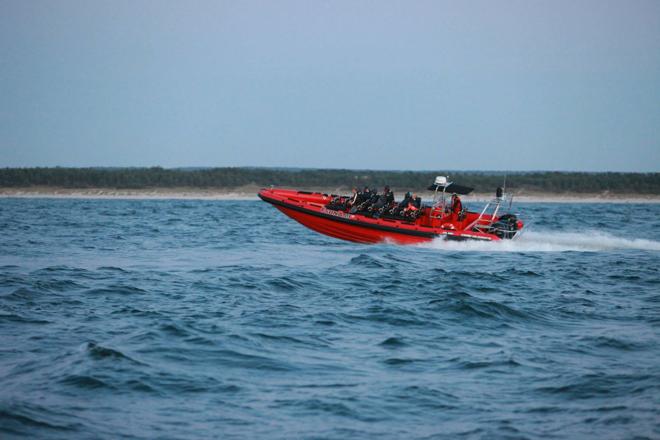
482, 181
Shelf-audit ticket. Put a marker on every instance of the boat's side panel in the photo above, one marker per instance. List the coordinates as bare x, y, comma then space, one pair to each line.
349, 232
309, 209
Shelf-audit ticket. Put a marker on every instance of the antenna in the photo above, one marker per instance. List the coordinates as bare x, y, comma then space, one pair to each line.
510, 198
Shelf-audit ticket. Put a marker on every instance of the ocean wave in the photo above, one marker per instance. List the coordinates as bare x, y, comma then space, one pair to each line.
368, 261
99, 352
469, 306
173, 330
487, 364
285, 283
85, 381
23, 294
20, 319
393, 342
594, 385
117, 289
112, 269
23, 419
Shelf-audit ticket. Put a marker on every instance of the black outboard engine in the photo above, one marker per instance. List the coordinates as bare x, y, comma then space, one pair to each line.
505, 227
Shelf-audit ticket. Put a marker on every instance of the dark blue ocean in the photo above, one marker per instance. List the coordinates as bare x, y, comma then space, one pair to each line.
225, 319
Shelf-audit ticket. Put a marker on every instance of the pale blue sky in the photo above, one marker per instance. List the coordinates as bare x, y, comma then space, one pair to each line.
499, 85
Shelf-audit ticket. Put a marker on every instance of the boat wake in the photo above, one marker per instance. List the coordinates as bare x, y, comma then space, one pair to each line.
547, 241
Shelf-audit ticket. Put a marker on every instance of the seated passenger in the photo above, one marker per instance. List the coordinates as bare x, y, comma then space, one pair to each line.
373, 198
355, 197
383, 201
390, 195
413, 208
417, 201
364, 200
403, 204
337, 203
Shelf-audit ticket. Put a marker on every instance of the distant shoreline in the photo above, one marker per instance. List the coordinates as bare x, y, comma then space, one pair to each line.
250, 193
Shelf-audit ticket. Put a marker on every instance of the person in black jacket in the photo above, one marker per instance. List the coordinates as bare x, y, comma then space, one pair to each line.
373, 198
413, 208
403, 204
383, 201
355, 197
418, 201
364, 200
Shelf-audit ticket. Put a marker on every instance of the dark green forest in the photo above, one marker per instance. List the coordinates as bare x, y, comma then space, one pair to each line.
156, 177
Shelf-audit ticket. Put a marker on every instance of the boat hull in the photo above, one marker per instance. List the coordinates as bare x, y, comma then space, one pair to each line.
351, 232
309, 209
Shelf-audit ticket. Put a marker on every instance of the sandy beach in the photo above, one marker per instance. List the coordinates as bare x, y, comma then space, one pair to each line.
250, 193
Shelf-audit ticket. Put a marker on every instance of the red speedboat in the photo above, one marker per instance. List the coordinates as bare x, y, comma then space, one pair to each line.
331, 215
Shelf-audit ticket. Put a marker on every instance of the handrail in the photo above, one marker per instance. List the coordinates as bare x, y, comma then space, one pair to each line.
483, 211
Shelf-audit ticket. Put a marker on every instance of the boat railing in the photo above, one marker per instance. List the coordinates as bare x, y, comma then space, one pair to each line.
480, 222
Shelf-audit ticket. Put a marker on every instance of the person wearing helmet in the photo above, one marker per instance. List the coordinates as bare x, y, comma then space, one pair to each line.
412, 209
383, 201
402, 205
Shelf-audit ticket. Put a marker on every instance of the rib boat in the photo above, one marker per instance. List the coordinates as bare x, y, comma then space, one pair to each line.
330, 214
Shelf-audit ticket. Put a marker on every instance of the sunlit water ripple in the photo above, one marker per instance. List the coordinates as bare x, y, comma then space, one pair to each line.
179, 319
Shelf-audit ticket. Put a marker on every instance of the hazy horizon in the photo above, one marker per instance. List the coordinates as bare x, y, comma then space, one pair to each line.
426, 85
400, 170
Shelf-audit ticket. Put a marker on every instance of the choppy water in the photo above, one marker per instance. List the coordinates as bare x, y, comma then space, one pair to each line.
180, 319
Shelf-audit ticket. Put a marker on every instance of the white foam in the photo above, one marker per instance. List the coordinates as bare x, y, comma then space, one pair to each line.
551, 241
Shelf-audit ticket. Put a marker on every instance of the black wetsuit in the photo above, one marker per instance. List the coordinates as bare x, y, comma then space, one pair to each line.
373, 198
402, 205
363, 201
383, 200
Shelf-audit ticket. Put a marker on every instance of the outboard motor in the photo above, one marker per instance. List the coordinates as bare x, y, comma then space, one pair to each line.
505, 227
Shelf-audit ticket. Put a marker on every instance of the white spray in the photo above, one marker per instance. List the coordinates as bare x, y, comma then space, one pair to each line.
546, 241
